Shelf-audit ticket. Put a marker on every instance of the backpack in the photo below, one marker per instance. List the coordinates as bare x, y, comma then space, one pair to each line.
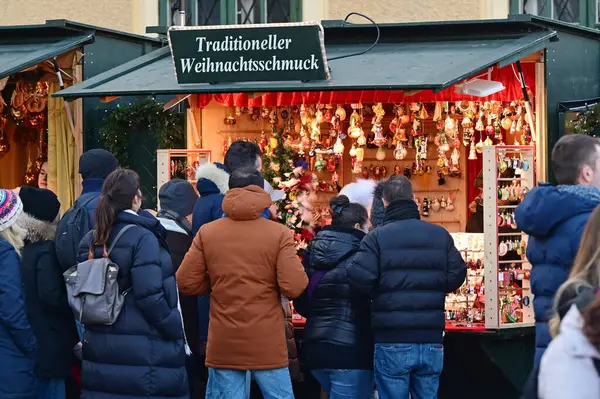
92, 288
73, 226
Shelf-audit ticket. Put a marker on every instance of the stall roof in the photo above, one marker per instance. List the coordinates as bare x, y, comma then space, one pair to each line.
431, 56
24, 46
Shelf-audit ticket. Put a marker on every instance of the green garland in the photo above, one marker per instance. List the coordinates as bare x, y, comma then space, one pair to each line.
586, 122
167, 127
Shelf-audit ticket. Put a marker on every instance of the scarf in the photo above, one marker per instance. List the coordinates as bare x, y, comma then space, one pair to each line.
181, 222
401, 210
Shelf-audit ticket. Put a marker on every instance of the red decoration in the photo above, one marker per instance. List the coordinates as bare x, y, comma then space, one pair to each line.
505, 75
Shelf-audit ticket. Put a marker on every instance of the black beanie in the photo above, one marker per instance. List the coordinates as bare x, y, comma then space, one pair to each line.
97, 163
40, 203
178, 196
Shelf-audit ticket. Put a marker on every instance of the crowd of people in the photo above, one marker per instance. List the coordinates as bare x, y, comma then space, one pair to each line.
195, 298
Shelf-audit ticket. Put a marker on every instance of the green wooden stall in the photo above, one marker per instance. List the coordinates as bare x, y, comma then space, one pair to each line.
414, 56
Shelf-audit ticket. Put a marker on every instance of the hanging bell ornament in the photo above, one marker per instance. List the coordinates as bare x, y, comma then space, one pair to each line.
472, 151
354, 129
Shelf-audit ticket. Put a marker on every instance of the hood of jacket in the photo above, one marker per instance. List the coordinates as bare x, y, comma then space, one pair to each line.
37, 230
331, 245
546, 207
246, 203
211, 180
571, 330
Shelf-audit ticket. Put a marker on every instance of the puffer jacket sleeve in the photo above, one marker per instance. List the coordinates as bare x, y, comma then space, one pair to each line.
457, 269
363, 271
291, 277
192, 275
12, 303
147, 289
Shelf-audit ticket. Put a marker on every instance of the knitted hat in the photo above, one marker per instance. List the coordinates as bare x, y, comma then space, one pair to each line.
97, 163
40, 203
178, 196
10, 208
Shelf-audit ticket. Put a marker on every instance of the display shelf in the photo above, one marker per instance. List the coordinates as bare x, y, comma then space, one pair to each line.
509, 302
166, 158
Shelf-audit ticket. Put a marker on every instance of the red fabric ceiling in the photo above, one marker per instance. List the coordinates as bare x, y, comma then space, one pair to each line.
504, 75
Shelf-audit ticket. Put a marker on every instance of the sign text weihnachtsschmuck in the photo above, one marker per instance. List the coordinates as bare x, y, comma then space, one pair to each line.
248, 53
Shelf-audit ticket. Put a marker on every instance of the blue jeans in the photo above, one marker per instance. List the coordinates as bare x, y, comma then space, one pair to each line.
355, 384
51, 389
401, 369
235, 384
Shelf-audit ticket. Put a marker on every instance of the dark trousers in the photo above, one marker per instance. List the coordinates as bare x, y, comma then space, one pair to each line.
197, 376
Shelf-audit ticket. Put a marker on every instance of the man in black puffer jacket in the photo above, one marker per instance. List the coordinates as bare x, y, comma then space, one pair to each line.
407, 266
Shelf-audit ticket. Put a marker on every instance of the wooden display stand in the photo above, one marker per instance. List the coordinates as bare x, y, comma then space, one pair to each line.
164, 159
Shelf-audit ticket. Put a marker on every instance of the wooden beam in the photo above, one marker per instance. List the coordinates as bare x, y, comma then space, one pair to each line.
108, 99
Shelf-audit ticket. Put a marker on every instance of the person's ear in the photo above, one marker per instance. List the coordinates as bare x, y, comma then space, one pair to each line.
586, 174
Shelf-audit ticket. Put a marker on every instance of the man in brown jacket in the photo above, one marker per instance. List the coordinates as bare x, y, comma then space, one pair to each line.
246, 262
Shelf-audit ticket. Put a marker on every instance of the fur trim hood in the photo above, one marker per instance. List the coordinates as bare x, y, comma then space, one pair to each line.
360, 192
37, 230
213, 174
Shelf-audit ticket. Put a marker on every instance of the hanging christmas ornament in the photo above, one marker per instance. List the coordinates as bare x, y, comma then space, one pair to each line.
319, 115
354, 129
360, 154
380, 154
31, 174
488, 141
479, 145
423, 114
4, 143
400, 151
497, 131
338, 147
315, 133
454, 163
438, 112
472, 151
341, 113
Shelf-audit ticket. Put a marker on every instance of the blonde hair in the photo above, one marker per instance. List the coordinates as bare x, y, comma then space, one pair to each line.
14, 235
585, 272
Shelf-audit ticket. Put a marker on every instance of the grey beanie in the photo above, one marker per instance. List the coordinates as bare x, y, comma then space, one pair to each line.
178, 196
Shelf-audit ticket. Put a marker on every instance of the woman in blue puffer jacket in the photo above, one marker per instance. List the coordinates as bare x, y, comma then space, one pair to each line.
17, 341
338, 345
142, 355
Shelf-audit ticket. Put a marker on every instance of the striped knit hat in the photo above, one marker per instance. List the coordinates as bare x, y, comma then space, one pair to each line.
10, 208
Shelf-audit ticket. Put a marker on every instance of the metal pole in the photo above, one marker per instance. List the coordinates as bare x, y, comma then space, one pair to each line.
182, 12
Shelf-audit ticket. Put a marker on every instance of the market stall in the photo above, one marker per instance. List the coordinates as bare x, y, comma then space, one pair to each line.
39, 134
451, 101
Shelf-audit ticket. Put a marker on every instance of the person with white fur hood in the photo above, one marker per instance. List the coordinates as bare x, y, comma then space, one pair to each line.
367, 193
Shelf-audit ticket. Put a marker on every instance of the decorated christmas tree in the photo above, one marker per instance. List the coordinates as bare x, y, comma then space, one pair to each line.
283, 169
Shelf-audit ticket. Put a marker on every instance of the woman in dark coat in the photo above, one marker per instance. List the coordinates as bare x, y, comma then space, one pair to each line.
337, 339
142, 355
17, 341
46, 302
